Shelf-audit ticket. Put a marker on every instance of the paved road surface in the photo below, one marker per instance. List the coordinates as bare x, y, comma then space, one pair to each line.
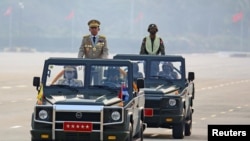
222, 93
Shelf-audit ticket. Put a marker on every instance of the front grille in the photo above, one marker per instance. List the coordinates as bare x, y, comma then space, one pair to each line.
93, 117
71, 116
78, 115
152, 103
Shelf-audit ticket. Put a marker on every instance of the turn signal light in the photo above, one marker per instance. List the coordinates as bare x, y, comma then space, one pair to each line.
44, 136
169, 120
112, 137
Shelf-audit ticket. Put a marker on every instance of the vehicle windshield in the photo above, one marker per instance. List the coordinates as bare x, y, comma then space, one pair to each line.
69, 75
111, 76
78, 75
138, 69
165, 69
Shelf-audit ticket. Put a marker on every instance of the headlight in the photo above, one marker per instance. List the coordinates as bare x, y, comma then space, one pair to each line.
43, 114
115, 115
172, 102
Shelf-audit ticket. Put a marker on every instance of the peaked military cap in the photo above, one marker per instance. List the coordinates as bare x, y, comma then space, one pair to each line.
94, 23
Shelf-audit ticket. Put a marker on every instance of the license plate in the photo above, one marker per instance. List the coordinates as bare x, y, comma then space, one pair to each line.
78, 126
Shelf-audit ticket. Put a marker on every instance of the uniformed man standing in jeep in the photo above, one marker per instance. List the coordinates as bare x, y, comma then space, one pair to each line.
152, 44
93, 45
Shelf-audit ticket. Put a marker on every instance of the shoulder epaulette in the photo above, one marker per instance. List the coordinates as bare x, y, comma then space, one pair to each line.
85, 36
102, 36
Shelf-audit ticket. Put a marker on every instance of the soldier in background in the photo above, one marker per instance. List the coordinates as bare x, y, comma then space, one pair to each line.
93, 45
152, 44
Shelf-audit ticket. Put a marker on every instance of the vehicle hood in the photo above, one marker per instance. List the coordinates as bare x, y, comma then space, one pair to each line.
80, 100
162, 90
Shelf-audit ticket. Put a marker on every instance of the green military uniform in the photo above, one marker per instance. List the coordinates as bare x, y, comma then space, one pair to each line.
152, 44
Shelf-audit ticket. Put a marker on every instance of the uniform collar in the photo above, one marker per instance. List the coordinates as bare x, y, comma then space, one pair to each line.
93, 36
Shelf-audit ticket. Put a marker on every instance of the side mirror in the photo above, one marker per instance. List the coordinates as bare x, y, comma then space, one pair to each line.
190, 76
36, 82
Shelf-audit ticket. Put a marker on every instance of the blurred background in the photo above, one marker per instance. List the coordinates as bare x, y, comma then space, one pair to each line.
186, 26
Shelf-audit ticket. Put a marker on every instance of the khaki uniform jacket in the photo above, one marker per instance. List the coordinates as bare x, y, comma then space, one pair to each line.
89, 49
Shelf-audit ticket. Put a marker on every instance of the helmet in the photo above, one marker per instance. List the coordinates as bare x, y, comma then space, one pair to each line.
152, 26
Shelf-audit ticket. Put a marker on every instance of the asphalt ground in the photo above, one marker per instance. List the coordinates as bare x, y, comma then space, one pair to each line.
222, 84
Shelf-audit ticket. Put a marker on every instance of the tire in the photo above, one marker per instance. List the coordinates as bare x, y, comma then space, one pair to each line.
130, 137
178, 131
32, 121
139, 135
188, 124
35, 140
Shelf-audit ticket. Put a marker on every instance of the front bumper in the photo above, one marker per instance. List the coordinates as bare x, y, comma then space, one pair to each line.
79, 136
94, 124
164, 118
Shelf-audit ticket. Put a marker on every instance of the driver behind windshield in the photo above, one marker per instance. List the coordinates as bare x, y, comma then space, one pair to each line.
168, 71
113, 75
70, 77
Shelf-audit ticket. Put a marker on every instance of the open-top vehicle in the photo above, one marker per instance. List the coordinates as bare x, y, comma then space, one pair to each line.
87, 99
169, 93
